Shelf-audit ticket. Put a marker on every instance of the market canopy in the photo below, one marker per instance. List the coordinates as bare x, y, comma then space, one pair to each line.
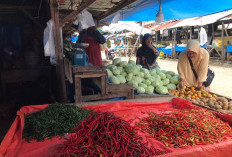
146, 10
122, 26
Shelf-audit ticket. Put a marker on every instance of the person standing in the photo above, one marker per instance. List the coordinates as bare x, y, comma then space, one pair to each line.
200, 61
94, 38
147, 54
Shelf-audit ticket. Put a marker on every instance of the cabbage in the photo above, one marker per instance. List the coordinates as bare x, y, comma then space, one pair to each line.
157, 77
163, 71
124, 74
140, 90
152, 72
156, 83
147, 75
165, 82
144, 70
147, 82
175, 79
137, 79
139, 66
116, 72
109, 66
132, 62
140, 74
149, 90
171, 73
162, 75
135, 84
151, 79
171, 86
168, 76
121, 79
109, 73
142, 85
114, 80
161, 89
116, 61
157, 69
129, 77
121, 69
131, 69
123, 63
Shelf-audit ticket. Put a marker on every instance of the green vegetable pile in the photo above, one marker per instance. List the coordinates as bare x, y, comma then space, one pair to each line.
55, 119
144, 80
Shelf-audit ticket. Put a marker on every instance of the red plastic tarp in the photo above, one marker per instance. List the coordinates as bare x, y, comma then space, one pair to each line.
13, 144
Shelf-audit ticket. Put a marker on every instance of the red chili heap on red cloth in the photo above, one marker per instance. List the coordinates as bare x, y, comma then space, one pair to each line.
104, 134
186, 127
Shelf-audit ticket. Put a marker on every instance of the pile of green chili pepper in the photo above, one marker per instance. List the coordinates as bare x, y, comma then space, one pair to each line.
55, 119
104, 134
185, 128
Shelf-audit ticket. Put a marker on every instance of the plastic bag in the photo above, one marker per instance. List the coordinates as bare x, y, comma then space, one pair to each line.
85, 20
116, 18
49, 46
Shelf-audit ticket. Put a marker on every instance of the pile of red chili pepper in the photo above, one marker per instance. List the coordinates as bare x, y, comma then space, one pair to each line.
104, 134
185, 128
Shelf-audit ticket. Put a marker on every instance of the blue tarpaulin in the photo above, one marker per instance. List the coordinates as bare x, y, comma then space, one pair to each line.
146, 10
229, 49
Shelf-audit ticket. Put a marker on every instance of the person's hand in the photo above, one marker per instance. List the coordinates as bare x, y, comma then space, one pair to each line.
182, 83
199, 84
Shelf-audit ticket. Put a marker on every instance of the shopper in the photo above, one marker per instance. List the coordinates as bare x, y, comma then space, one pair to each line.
200, 61
147, 54
94, 38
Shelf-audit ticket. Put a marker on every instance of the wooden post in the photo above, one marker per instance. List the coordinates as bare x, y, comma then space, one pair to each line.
213, 31
198, 30
222, 46
174, 43
191, 32
60, 74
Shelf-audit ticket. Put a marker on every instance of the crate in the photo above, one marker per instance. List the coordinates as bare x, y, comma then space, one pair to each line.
107, 90
88, 69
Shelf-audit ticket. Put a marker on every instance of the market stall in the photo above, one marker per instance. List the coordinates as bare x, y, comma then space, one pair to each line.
131, 115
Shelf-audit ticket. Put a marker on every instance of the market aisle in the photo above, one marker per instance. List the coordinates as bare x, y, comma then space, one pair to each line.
222, 83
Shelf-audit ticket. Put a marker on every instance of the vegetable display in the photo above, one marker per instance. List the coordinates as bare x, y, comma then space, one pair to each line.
144, 80
104, 134
185, 128
204, 98
54, 120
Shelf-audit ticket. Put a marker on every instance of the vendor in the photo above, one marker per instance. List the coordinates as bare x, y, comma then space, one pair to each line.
147, 54
200, 60
94, 38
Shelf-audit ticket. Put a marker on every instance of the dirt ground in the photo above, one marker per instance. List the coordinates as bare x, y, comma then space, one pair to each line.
222, 83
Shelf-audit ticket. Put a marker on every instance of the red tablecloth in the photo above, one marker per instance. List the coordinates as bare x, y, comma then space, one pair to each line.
13, 144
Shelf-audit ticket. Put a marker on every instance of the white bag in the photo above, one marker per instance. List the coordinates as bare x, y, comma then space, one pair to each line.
49, 46
85, 20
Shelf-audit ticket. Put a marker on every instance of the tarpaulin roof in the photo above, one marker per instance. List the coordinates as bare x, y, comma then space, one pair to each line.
165, 25
146, 10
204, 20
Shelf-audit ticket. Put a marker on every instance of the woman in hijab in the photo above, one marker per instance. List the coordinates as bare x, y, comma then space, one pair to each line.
200, 60
147, 54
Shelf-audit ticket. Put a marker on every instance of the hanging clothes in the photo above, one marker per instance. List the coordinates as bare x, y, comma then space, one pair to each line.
203, 36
